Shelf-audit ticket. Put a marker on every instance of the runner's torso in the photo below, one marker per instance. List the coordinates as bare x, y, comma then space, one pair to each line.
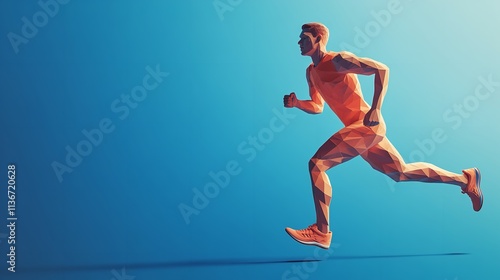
342, 92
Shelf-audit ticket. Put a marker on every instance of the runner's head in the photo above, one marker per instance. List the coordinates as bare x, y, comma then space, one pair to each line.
314, 35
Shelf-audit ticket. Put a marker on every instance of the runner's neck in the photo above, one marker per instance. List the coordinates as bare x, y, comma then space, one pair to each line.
317, 58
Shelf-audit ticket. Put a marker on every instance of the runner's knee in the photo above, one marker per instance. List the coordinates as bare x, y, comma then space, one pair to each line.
314, 163
318, 164
399, 175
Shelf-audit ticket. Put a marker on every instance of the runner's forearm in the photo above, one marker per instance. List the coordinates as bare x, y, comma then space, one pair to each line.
309, 106
380, 88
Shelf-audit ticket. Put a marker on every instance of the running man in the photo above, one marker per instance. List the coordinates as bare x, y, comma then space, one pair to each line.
332, 78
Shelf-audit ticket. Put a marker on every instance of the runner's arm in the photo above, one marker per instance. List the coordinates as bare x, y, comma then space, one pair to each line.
346, 62
315, 105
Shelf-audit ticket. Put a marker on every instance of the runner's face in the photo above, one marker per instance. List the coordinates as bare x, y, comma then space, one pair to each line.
307, 47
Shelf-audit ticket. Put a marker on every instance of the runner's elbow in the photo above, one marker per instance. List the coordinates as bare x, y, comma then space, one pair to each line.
383, 69
318, 109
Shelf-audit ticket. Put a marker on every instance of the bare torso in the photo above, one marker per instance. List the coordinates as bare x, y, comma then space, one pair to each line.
342, 92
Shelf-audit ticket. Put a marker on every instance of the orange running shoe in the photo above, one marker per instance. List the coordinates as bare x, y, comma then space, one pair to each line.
473, 189
311, 236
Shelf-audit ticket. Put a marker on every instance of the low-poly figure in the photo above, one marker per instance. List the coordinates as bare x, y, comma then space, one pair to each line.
332, 78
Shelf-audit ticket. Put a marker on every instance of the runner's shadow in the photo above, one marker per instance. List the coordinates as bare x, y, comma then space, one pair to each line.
227, 262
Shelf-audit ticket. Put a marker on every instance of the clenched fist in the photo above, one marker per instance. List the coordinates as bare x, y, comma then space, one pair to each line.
290, 100
372, 118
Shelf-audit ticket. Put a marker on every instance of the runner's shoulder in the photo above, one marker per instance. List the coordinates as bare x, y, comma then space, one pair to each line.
344, 55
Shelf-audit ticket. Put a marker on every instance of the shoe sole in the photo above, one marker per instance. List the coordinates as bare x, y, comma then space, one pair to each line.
478, 185
308, 243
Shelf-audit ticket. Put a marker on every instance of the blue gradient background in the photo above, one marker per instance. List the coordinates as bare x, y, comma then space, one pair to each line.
119, 207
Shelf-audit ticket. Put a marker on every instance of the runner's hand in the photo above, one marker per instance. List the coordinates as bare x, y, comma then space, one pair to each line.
372, 118
290, 100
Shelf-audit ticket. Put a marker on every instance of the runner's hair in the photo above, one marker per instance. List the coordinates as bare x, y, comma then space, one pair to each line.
317, 29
